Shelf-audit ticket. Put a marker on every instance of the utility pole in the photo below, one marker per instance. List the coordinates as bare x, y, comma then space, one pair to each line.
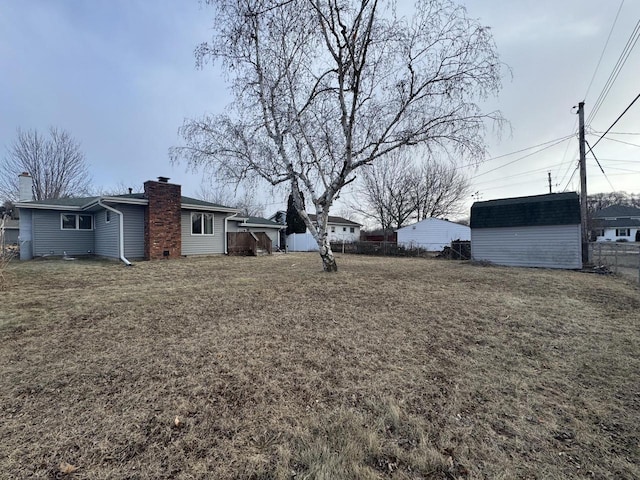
549, 173
583, 185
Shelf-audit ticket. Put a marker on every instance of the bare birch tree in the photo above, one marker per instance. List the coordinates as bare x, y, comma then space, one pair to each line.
325, 87
56, 164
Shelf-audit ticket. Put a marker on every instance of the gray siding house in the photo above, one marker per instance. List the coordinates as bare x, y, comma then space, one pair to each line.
536, 231
158, 223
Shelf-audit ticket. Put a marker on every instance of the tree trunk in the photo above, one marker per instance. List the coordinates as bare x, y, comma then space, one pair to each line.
328, 260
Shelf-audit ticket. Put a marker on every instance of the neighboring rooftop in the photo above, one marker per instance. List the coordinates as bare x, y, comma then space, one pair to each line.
615, 211
335, 220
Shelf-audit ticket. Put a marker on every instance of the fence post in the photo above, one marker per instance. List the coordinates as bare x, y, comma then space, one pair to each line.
615, 256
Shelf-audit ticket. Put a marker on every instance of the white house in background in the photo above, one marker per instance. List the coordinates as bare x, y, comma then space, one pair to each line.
537, 231
339, 230
432, 234
616, 223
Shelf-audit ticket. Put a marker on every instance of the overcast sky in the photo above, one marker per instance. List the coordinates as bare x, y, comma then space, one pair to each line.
119, 75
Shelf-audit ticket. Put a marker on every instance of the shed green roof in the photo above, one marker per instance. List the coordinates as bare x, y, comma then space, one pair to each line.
538, 210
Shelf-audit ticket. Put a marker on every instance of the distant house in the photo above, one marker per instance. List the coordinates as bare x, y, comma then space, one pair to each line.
432, 234
616, 223
339, 230
11, 230
158, 223
536, 231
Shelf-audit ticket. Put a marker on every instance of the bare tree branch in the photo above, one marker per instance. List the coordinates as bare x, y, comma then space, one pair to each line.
56, 164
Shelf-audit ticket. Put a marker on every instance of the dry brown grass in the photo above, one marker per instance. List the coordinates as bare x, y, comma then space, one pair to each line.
241, 368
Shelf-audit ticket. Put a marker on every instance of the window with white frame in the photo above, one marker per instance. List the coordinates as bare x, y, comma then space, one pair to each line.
352, 230
76, 221
623, 232
201, 223
107, 216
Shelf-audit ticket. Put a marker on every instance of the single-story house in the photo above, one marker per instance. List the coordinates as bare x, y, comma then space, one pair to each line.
339, 230
536, 231
432, 234
11, 228
616, 223
158, 223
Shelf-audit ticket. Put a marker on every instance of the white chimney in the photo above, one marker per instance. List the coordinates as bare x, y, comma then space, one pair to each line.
25, 187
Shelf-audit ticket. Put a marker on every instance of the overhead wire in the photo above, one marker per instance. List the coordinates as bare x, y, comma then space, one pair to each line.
615, 20
523, 157
617, 119
622, 60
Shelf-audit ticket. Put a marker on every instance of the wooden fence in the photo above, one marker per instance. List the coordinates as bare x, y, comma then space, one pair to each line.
248, 243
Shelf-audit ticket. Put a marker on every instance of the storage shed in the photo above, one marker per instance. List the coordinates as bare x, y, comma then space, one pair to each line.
432, 234
536, 231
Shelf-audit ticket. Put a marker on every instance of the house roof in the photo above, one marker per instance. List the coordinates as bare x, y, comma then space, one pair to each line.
80, 203
259, 221
335, 220
617, 223
538, 210
614, 211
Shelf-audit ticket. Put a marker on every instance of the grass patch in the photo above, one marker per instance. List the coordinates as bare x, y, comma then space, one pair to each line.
267, 368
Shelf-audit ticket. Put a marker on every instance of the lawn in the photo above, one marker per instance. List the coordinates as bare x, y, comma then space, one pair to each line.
267, 368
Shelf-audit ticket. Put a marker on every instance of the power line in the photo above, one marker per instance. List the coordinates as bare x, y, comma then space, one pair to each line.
604, 49
520, 151
601, 169
523, 157
622, 141
617, 119
571, 178
622, 60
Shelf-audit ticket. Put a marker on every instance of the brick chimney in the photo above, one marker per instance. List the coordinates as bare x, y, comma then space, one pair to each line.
162, 233
25, 187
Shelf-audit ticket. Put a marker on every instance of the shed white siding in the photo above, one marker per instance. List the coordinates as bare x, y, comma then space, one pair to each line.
550, 246
202, 244
432, 234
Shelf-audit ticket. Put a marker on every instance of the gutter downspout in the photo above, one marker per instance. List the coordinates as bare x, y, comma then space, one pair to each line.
111, 209
226, 249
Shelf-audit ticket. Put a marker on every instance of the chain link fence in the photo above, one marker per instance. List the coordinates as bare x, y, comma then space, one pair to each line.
622, 258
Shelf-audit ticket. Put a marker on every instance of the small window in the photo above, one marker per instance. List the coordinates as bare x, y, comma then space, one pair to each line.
107, 217
73, 221
623, 232
352, 230
333, 229
208, 223
344, 229
202, 224
68, 221
85, 222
